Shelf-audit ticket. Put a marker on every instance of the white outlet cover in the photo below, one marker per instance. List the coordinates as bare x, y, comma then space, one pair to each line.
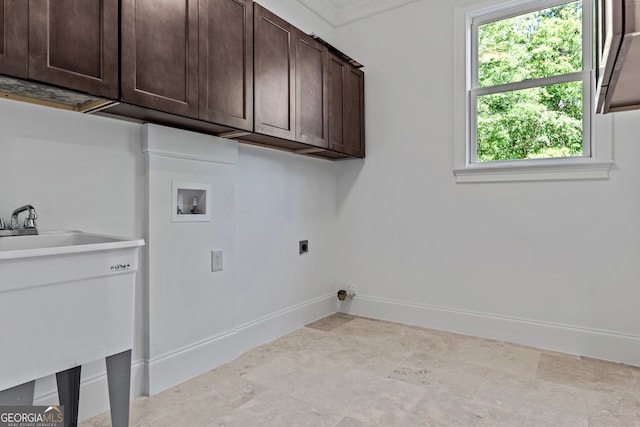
216, 261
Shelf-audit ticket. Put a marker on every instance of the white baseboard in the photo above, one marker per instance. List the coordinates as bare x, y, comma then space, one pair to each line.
94, 392
598, 344
179, 366
278, 324
188, 362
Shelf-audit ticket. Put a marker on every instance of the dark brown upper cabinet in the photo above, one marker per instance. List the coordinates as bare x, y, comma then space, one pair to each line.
67, 43
290, 81
226, 62
14, 28
74, 44
274, 75
159, 54
311, 122
224, 67
346, 107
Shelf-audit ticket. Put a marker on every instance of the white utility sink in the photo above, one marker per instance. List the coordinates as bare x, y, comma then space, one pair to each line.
66, 298
60, 242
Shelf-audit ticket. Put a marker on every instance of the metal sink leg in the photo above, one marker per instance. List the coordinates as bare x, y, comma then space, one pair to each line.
69, 394
119, 379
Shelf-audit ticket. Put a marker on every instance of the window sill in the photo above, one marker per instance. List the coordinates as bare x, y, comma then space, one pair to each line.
556, 171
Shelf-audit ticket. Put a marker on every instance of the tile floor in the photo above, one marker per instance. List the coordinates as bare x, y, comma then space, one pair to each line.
347, 371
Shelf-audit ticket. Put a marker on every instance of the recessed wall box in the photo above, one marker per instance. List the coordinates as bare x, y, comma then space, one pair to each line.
190, 202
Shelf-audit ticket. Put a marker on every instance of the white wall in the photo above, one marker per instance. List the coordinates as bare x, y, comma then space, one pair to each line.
279, 203
189, 306
552, 264
77, 170
81, 173
88, 173
263, 202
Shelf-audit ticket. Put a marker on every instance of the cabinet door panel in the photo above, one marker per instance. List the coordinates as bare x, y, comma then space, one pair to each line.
354, 114
160, 55
226, 62
74, 43
14, 25
274, 75
336, 77
311, 91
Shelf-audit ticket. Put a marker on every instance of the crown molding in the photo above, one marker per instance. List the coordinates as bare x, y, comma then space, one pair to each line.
337, 17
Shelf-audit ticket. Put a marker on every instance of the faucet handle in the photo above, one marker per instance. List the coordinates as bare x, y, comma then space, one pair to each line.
30, 221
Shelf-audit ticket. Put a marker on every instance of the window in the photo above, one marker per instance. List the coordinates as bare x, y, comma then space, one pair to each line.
528, 93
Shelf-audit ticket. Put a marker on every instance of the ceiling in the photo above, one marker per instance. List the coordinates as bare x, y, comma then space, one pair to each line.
344, 3
341, 12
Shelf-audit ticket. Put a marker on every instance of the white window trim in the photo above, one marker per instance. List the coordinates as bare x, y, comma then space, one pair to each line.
597, 166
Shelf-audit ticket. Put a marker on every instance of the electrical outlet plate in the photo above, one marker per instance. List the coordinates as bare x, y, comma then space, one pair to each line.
216, 261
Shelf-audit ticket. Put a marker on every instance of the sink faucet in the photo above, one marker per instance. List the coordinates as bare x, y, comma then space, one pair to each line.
29, 222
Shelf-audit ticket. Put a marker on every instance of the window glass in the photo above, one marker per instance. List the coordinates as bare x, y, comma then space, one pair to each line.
534, 123
529, 96
539, 44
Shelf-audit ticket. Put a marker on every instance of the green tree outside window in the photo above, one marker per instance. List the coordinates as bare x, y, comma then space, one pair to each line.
538, 122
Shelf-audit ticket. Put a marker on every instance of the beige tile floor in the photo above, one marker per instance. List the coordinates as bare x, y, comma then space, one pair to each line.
347, 371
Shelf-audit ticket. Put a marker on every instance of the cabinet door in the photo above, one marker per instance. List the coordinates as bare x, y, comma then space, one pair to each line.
354, 112
74, 44
14, 25
159, 53
311, 122
346, 107
226, 62
274, 70
336, 91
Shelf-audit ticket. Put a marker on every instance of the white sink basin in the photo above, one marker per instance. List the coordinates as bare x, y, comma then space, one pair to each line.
60, 242
66, 298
